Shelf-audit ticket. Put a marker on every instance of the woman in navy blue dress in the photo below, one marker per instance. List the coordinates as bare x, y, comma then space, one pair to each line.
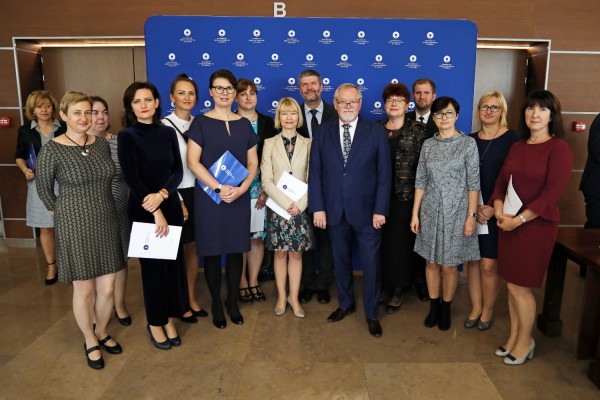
224, 228
151, 165
493, 140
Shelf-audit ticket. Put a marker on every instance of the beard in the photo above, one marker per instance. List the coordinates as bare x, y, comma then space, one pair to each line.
310, 96
348, 116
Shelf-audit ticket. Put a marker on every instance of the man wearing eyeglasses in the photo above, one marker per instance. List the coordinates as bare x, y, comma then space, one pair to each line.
349, 188
423, 96
317, 265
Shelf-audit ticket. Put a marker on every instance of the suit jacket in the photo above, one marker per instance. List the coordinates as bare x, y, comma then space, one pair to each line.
431, 127
590, 180
329, 114
360, 189
275, 162
28, 136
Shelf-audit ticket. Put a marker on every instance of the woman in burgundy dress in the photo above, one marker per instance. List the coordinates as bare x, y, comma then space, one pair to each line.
540, 166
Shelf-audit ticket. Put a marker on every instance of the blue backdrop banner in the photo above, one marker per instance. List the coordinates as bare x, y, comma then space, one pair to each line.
272, 52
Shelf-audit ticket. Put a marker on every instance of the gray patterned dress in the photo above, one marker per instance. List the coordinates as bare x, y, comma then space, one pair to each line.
120, 192
448, 169
87, 234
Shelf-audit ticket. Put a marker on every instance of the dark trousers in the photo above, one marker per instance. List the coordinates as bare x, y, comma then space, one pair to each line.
165, 289
233, 274
317, 265
369, 241
592, 211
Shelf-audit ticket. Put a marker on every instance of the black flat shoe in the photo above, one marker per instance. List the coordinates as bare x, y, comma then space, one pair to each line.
96, 364
166, 345
374, 327
246, 296
51, 281
238, 320
422, 292
258, 294
305, 296
116, 349
340, 314
200, 313
176, 341
323, 297
189, 320
125, 321
393, 308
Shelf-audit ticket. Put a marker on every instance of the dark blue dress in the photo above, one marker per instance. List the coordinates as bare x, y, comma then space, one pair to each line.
222, 228
491, 158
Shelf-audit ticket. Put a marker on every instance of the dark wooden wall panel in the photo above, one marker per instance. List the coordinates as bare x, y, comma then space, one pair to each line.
139, 61
575, 79
578, 140
8, 79
13, 191
30, 70
17, 230
571, 203
8, 137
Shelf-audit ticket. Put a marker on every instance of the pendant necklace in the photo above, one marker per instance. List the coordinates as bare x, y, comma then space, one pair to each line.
488, 147
84, 150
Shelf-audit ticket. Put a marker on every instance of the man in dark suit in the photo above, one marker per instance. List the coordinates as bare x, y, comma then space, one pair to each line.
317, 265
349, 186
423, 96
590, 180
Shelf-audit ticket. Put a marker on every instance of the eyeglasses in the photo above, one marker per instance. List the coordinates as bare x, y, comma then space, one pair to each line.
395, 101
345, 103
221, 89
447, 114
486, 108
96, 112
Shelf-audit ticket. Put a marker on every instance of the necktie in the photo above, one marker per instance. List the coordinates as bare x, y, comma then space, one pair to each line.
347, 143
314, 122
422, 119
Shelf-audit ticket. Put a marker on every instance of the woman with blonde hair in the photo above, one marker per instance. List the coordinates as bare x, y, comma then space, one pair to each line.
85, 215
41, 108
494, 140
287, 152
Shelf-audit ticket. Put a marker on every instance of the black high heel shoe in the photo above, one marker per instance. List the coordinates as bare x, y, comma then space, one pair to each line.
95, 364
116, 349
166, 345
189, 320
200, 313
236, 320
52, 281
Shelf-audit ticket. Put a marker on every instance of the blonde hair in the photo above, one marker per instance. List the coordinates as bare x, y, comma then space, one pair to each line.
288, 104
497, 94
35, 99
71, 98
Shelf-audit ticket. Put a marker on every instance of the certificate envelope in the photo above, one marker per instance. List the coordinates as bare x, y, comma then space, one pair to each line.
291, 186
482, 229
143, 242
512, 202
257, 218
278, 209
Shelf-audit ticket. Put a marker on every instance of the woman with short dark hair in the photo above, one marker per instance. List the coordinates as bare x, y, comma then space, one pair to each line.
222, 229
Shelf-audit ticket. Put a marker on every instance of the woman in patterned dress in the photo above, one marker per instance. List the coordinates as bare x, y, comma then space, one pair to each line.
85, 215
264, 128
120, 191
41, 109
286, 153
445, 208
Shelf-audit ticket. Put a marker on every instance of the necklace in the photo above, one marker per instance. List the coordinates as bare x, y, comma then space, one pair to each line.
488, 146
84, 150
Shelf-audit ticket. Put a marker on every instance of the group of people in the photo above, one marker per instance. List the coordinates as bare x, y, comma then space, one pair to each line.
414, 193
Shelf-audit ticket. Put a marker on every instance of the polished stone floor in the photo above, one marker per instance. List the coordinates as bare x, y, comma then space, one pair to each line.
269, 357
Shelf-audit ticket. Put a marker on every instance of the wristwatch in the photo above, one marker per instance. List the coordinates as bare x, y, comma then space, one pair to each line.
523, 219
472, 214
218, 189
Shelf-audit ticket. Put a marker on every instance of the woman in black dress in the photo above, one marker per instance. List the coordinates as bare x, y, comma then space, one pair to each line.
222, 229
398, 260
493, 140
151, 165
41, 108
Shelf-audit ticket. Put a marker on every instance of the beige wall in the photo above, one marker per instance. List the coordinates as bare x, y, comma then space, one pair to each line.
571, 26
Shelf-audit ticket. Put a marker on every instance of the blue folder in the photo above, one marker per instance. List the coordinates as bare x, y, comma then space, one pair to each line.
227, 170
31, 158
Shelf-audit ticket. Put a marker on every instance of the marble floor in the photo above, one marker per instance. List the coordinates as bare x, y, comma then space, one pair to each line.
273, 357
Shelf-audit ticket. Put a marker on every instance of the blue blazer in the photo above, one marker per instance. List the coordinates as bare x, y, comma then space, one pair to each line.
360, 189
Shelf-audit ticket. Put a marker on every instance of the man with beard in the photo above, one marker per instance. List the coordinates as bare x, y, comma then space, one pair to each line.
423, 96
317, 265
349, 184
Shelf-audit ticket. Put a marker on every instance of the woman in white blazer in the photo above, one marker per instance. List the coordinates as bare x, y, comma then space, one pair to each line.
287, 153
